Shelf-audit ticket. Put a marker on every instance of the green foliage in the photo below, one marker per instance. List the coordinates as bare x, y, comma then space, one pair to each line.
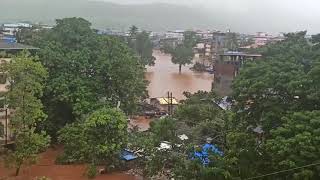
91, 171
144, 48
296, 143
133, 31
267, 89
97, 140
164, 130
3, 54
183, 54
198, 67
1, 130
156, 162
27, 78
26, 87
167, 48
176, 162
197, 108
188, 169
141, 44
278, 93
86, 71
75, 145
28, 145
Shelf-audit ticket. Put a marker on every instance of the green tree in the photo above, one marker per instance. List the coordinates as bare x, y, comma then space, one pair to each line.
1, 130
267, 93
133, 31
267, 89
183, 54
86, 72
296, 143
144, 49
141, 43
98, 140
27, 77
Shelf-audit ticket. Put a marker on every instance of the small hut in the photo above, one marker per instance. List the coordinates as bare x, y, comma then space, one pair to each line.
164, 104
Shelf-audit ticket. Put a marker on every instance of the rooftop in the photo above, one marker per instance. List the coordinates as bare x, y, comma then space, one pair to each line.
236, 53
165, 101
15, 46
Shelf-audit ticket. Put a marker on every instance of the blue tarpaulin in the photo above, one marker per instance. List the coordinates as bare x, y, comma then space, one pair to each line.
204, 154
128, 155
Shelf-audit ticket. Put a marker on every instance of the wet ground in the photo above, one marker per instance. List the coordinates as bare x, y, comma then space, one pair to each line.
164, 77
47, 167
140, 122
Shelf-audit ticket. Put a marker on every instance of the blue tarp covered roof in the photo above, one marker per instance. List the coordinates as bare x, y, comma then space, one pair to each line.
128, 155
203, 155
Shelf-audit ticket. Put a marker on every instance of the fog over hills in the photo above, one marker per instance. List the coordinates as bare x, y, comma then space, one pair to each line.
272, 16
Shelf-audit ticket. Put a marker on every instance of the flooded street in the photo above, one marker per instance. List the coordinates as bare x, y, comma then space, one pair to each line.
164, 77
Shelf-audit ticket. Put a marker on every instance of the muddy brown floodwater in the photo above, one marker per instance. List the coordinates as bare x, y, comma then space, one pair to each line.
46, 167
164, 77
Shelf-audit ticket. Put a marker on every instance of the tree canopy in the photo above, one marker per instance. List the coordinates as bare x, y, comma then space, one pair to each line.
86, 71
27, 76
278, 94
183, 54
141, 44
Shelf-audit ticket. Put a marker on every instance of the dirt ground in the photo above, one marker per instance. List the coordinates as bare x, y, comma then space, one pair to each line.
47, 167
141, 122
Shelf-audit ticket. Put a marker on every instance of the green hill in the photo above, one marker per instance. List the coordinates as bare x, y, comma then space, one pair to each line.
103, 14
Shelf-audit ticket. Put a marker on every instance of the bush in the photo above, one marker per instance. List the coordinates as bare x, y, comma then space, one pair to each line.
91, 171
199, 67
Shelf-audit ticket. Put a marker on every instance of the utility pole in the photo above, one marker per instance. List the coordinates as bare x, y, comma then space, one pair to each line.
6, 138
171, 106
168, 103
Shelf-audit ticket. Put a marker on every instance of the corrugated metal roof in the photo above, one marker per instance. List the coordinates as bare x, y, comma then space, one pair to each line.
165, 101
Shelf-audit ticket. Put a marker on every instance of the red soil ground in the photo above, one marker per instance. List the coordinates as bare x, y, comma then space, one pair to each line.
47, 167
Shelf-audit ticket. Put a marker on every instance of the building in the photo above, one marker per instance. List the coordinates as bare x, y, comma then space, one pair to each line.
204, 53
163, 104
210, 45
227, 68
11, 29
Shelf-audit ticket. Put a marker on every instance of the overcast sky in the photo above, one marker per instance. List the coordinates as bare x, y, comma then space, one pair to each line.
304, 8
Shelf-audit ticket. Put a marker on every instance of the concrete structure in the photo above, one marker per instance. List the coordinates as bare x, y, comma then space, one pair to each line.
12, 28
209, 47
227, 68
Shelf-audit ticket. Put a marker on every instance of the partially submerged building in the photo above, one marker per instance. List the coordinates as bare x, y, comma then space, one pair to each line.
227, 67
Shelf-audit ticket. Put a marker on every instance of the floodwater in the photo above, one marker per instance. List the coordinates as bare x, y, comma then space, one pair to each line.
164, 77
46, 167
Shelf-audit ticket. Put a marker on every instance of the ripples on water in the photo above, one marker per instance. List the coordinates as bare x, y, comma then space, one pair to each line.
164, 77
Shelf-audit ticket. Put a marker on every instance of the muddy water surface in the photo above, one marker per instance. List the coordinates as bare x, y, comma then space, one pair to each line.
164, 77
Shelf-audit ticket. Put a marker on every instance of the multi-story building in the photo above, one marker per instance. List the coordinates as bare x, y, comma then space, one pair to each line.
11, 29
227, 68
